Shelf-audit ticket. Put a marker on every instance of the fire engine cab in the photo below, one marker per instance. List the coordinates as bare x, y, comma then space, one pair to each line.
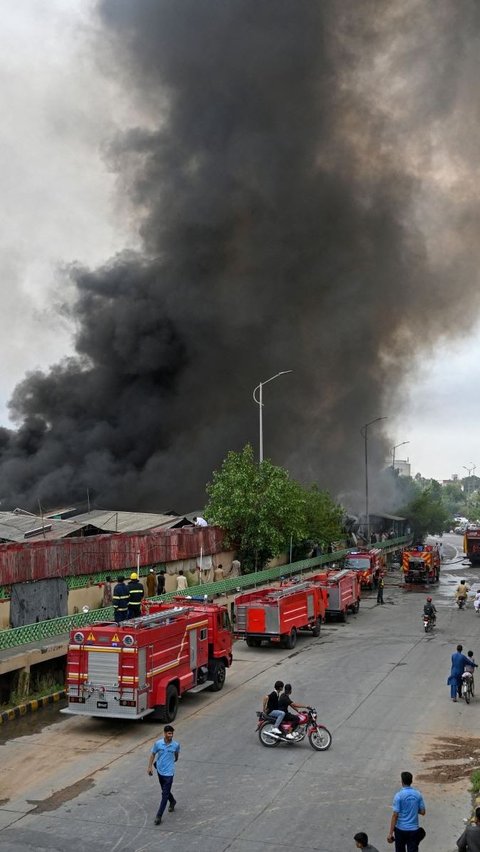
142, 666
368, 563
421, 564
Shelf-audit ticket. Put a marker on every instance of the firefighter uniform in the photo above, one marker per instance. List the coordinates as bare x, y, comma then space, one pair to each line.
135, 596
120, 599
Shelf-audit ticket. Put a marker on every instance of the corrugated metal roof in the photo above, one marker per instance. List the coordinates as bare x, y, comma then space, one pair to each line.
21, 527
112, 521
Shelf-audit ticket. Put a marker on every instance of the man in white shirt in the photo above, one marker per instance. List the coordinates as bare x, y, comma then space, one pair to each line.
181, 582
200, 522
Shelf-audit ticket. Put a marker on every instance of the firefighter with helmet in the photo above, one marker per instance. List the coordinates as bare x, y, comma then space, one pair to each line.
135, 595
430, 609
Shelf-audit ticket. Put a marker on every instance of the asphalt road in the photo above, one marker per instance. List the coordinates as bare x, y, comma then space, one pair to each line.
379, 684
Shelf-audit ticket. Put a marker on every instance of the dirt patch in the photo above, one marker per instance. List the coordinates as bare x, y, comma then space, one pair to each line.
451, 759
61, 796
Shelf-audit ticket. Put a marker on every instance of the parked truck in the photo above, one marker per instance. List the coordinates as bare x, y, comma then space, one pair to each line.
471, 543
421, 564
343, 589
142, 666
276, 615
369, 563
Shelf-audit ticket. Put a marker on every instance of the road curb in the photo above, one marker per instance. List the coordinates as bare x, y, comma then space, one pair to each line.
31, 706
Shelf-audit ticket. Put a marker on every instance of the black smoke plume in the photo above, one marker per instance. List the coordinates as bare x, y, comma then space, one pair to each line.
302, 189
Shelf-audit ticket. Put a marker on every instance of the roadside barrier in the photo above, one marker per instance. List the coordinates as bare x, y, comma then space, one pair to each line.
18, 636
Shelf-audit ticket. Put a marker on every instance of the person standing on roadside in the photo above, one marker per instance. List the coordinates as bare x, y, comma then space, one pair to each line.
470, 839
120, 598
151, 583
136, 594
161, 582
380, 588
404, 828
164, 755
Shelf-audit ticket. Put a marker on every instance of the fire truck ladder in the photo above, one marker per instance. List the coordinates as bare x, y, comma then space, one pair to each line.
338, 575
289, 590
156, 617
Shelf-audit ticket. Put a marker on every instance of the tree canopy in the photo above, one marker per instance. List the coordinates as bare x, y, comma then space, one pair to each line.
262, 510
427, 512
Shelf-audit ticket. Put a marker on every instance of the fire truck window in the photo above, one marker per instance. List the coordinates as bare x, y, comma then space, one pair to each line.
226, 621
203, 633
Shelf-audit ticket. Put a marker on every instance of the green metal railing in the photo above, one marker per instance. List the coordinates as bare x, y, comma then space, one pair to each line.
17, 636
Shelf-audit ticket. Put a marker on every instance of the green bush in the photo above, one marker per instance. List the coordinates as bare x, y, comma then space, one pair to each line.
475, 779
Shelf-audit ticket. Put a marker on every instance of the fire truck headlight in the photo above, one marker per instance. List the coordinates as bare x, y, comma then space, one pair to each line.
78, 637
128, 640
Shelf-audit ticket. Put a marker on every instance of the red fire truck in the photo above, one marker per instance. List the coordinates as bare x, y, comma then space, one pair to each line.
343, 589
421, 564
368, 563
142, 666
471, 543
276, 615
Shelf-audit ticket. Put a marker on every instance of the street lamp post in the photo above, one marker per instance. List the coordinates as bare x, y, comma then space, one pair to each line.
259, 402
470, 471
364, 433
393, 452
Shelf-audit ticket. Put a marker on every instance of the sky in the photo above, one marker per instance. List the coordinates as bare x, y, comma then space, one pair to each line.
62, 205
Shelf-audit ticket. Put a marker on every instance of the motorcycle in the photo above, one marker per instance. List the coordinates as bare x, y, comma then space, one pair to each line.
428, 622
467, 689
319, 736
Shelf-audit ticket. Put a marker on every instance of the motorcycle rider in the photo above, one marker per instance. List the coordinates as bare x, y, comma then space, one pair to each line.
270, 706
430, 610
462, 591
476, 602
284, 703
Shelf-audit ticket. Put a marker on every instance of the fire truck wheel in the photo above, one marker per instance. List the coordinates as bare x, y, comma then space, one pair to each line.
168, 711
321, 739
253, 643
217, 673
291, 639
316, 628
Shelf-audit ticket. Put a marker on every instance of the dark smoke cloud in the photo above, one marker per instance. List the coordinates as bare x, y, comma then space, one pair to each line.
304, 198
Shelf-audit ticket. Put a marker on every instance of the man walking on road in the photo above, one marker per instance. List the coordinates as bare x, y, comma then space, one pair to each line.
407, 805
164, 755
470, 839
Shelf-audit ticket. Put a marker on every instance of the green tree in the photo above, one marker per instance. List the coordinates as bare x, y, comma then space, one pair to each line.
427, 513
258, 505
454, 498
472, 508
324, 517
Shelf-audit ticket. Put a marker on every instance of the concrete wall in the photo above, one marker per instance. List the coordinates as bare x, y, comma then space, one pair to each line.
39, 601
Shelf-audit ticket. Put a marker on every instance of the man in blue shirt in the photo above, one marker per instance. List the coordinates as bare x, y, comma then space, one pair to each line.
164, 755
459, 661
407, 805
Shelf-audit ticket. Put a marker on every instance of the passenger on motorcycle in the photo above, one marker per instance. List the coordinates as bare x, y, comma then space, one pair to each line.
430, 609
462, 590
472, 665
284, 702
270, 706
